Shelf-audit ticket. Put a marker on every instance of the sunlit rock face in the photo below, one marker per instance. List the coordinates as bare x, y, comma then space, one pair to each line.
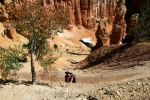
85, 12
80, 11
115, 17
110, 13
119, 16
119, 24
6, 30
111, 26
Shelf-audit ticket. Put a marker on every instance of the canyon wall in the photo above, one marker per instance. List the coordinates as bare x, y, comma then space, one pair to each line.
6, 30
84, 13
111, 23
113, 17
80, 11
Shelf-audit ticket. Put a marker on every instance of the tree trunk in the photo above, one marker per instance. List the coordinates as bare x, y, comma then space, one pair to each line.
32, 68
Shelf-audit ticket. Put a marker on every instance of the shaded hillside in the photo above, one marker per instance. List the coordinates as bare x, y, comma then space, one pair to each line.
117, 56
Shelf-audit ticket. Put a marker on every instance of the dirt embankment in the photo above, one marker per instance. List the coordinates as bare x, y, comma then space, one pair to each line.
117, 56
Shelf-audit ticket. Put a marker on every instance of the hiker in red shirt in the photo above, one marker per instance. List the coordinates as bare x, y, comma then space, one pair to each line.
69, 77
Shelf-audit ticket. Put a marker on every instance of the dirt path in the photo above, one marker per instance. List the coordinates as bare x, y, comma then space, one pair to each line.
99, 84
95, 76
110, 85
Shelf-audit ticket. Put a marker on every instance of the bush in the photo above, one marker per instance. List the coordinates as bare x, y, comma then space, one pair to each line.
9, 61
55, 46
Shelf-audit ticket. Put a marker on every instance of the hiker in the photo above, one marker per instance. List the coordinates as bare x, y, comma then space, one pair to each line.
69, 77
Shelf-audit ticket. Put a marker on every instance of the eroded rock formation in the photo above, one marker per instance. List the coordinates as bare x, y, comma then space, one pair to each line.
119, 24
80, 11
6, 30
84, 12
115, 25
120, 18
102, 34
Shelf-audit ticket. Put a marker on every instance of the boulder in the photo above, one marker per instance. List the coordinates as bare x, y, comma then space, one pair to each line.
12, 34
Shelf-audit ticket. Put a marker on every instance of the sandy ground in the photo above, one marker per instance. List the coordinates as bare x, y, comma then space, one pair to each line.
88, 80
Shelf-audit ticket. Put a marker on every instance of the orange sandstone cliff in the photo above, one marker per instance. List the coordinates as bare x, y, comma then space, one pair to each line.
113, 17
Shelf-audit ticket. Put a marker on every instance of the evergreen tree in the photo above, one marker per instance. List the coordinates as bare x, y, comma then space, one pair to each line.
141, 30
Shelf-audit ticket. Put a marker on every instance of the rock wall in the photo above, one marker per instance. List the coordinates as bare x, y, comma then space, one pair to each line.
80, 11
84, 12
111, 23
6, 30
119, 16
119, 24
113, 14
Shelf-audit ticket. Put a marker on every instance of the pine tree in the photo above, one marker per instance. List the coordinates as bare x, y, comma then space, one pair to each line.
141, 30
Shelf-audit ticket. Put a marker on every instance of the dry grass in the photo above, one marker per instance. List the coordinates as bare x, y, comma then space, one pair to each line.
48, 75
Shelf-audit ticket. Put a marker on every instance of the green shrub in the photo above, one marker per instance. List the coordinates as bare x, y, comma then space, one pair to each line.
55, 46
141, 30
9, 61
